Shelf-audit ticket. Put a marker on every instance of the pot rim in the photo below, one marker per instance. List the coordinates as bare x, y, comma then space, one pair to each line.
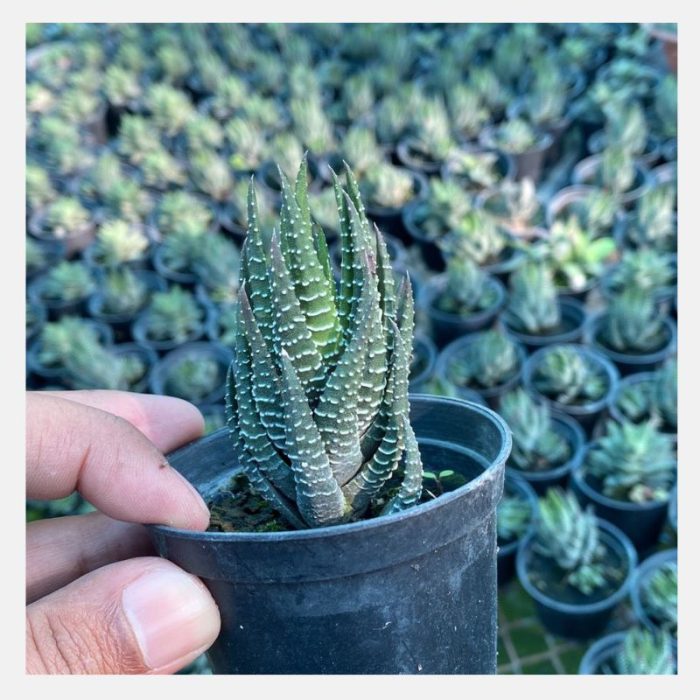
371, 523
641, 574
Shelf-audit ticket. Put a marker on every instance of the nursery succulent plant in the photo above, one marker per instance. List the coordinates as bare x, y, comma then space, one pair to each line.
532, 303
102, 175
617, 170
569, 536
666, 106
490, 88
567, 376
317, 397
546, 99
35, 256
653, 224
66, 216
536, 445
360, 150
311, 124
478, 237
476, 170
230, 96
513, 515
520, 204
127, 199
203, 133
633, 324
644, 269
216, 262
63, 145
172, 63
247, 144
211, 175
625, 126
160, 170
286, 151
173, 315
194, 377
659, 596
387, 186
39, 188
138, 136
118, 242
645, 652
40, 100
123, 292
445, 208
431, 132
78, 106
393, 117
121, 86
665, 392
489, 361
181, 212
633, 462
596, 211
467, 110
515, 136
68, 282
357, 97
467, 290
170, 108
57, 338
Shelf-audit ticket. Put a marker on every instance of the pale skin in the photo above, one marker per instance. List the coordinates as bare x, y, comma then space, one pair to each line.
98, 600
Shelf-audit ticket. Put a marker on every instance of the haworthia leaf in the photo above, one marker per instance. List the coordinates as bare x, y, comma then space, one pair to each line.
412, 485
385, 280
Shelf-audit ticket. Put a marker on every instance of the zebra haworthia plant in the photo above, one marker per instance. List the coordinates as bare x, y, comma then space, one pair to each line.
317, 395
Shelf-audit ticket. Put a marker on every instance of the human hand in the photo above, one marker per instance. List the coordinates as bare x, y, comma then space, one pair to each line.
96, 603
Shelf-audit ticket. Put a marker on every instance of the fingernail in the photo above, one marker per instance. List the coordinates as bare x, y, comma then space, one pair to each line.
171, 615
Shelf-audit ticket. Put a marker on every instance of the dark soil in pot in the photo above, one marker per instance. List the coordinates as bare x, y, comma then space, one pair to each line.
585, 412
562, 609
542, 479
422, 362
515, 485
631, 362
508, 259
446, 327
641, 522
424, 580
569, 330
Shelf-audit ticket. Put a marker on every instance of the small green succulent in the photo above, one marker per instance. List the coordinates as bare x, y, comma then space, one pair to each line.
653, 223
659, 597
181, 212
122, 86
194, 377
68, 282
491, 359
40, 100
513, 515
617, 171
127, 199
569, 377
66, 217
57, 338
311, 124
118, 242
536, 445
431, 130
633, 324
138, 136
393, 118
215, 262
533, 303
633, 462
211, 174
626, 126
467, 109
172, 63
545, 102
63, 145
665, 392
666, 106
247, 142
645, 653
229, 97
445, 208
286, 151
203, 133
473, 169
123, 292
596, 211
360, 150
386, 185
492, 90
357, 97
35, 256
99, 180
478, 237
160, 170
78, 106
515, 136
468, 289
173, 315
644, 269
516, 203
170, 108
39, 188
569, 536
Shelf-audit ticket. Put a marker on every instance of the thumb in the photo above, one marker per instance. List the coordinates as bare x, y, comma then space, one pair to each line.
143, 615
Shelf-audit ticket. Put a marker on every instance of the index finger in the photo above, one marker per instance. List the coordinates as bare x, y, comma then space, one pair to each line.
114, 466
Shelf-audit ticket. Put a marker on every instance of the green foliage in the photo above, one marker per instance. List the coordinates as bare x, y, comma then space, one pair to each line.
666, 105
230, 96
58, 337
490, 88
626, 127
653, 223
475, 170
478, 237
183, 213
617, 170
596, 211
215, 262
161, 170
385, 185
137, 137
67, 282
633, 462
659, 596
90, 365
193, 377
515, 136
570, 538
467, 110
203, 133
247, 144
317, 398
127, 199
360, 149
569, 377
123, 292
513, 516
78, 106
170, 108
39, 189
286, 150
468, 290
491, 359
665, 392
63, 145
119, 242
211, 175
34, 255
633, 324
545, 101
431, 131
99, 180
121, 86
646, 270
173, 315
533, 303
645, 653
444, 209
311, 124
536, 445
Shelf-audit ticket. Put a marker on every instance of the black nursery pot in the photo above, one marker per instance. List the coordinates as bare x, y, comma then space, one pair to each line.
601, 654
631, 363
641, 522
409, 593
583, 620
573, 318
186, 279
430, 251
572, 432
517, 486
55, 308
424, 349
586, 414
491, 395
410, 157
446, 327
139, 332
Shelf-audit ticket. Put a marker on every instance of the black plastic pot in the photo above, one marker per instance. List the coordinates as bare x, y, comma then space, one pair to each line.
186, 279
139, 332
641, 522
618, 415
446, 327
121, 323
158, 379
411, 593
572, 432
411, 159
641, 579
584, 173
600, 654
628, 363
491, 395
586, 414
55, 308
573, 318
389, 219
514, 484
424, 348
585, 620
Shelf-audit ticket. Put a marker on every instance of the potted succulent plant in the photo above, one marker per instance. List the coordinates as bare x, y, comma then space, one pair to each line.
535, 315
573, 379
246, 144
634, 652
515, 519
118, 243
654, 593
463, 300
64, 219
41, 256
632, 333
576, 567
653, 222
171, 318
597, 211
516, 206
64, 289
627, 475
547, 445
283, 584
215, 265
477, 168
488, 362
